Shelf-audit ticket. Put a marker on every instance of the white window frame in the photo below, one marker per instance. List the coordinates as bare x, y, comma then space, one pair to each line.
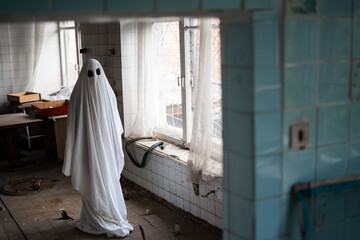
62, 49
188, 68
187, 41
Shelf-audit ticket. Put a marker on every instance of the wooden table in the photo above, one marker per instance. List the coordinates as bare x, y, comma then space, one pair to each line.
9, 124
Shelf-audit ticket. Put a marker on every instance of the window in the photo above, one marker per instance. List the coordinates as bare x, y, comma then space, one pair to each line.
69, 38
180, 51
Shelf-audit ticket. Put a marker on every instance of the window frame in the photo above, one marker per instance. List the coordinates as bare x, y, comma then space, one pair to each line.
62, 49
170, 134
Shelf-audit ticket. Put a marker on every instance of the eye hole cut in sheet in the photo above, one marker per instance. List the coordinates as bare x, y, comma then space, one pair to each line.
93, 153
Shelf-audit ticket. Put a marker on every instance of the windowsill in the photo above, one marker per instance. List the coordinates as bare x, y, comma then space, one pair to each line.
179, 155
171, 151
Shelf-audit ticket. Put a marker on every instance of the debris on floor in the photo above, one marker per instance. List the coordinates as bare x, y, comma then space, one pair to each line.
26, 186
36, 216
64, 215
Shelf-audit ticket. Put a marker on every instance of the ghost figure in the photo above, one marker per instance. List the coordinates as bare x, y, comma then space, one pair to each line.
93, 153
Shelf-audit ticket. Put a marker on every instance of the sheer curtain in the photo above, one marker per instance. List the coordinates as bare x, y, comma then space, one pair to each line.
205, 157
47, 77
34, 55
141, 72
26, 41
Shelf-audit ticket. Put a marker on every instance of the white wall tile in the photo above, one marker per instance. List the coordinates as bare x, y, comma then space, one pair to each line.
194, 209
179, 190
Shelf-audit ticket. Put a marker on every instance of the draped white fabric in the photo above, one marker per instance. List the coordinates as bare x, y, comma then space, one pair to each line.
146, 71
141, 69
26, 40
47, 77
201, 164
93, 155
35, 46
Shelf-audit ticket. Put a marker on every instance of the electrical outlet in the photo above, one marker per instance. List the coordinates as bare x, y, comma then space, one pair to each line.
300, 133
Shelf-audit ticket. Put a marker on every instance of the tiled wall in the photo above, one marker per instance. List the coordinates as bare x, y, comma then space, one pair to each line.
5, 67
102, 42
317, 45
166, 178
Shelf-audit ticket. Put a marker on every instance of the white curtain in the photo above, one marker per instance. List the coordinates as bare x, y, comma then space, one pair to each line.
47, 78
26, 40
34, 56
141, 72
205, 157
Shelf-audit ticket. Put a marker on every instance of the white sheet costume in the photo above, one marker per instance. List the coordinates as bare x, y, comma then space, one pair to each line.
93, 154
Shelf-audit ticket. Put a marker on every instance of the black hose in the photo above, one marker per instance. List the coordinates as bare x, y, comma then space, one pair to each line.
143, 160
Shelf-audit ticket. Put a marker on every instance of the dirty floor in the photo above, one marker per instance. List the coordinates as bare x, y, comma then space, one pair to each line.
37, 216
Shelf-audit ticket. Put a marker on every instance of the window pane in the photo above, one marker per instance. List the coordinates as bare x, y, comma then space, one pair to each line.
67, 24
69, 56
170, 88
216, 78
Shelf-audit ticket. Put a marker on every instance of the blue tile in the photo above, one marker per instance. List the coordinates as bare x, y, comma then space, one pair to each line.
177, 5
225, 4
262, 4
335, 38
352, 230
300, 7
301, 44
134, 5
238, 89
335, 7
267, 133
356, 37
267, 218
265, 15
330, 208
267, 89
226, 180
241, 216
333, 124
226, 234
330, 232
300, 86
289, 115
298, 166
24, 6
334, 82
226, 207
355, 120
356, 7
331, 162
238, 132
352, 203
81, 5
354, 158
289, 216
240, 181
355, 94
237, 45
295, 236
268, 176
266, 50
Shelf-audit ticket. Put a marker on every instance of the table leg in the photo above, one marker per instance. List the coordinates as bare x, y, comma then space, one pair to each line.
12, 144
